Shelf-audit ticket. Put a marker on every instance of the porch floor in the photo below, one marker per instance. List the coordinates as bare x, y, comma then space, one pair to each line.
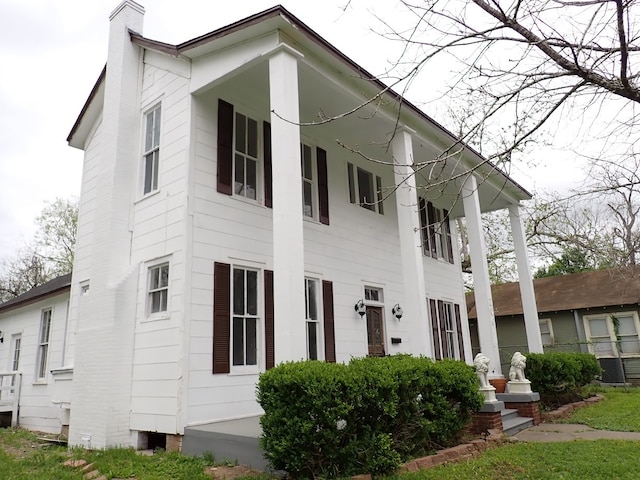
231, 440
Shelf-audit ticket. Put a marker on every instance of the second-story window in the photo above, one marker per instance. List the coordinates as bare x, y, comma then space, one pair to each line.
151, 150
365, 189
309, 181
245, 164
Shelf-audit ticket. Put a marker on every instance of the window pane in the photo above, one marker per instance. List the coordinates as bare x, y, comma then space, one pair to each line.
602, 346
252, 184
252, 292
164, 276
253, 138
629, 345
239, 175
148, 141
307, 169
546, 338
313, 300
312, 340
544, 327
252, 341
42, 364
352, 188
163, 300
155, 302
238, 341
598, 327
238, 291
626, 326
241, 133
307, 199
148, 172
365, 189
156, 127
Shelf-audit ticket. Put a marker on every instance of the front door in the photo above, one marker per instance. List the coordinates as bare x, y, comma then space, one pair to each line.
375, 332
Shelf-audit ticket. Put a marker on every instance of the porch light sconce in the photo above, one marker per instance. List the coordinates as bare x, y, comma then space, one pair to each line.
397, 311
360, 308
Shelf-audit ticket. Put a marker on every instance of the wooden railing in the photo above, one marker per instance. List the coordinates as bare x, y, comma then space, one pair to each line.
10, 383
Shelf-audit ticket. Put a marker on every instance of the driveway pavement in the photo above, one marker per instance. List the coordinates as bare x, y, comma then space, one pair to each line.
563, 432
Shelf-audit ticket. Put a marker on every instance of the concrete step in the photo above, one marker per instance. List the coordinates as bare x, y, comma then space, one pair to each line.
508, 413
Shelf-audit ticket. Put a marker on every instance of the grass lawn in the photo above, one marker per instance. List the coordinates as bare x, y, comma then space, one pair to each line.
619, 412
581, 459
23, 457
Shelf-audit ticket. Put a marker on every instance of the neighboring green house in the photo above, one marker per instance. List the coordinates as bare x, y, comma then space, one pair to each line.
593, 312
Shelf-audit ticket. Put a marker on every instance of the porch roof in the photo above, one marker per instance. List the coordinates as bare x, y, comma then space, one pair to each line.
495, 183
600, 288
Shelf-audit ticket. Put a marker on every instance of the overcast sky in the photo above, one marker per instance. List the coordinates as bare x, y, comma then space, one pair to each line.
52, 51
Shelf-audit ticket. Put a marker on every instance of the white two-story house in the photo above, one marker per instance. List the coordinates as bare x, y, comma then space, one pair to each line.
253, 196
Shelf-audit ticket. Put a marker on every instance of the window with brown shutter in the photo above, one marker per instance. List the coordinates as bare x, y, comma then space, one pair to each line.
329, 326
221, 317
225, 147
269, 345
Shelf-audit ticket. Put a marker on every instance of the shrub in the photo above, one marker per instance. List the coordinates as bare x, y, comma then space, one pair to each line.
334, 420
560, 376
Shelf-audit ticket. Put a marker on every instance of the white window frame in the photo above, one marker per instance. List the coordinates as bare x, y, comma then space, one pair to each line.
16, 345
375, 204
311, 182
612, 336
258, 158
450, 330
44, 337
151, 149
442, 238
549, 326
309, 321
244, 316
154, 290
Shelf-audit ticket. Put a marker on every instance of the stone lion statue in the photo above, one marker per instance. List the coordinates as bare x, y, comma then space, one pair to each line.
518, 364
481, 362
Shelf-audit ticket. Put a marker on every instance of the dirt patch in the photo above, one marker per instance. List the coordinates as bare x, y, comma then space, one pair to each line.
231, 472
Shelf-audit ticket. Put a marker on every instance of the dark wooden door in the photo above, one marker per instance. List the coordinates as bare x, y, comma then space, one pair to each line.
375, 332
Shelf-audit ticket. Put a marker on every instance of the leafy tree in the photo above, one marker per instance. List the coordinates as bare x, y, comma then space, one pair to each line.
49, 255
571, 261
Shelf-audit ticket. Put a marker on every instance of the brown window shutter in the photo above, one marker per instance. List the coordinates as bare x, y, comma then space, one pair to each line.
225, 147
268, 181
221, 317
422, 204
447, 233
329, 330
269, 347
443, 330
323, 185
456, 308
431, 219
435, 329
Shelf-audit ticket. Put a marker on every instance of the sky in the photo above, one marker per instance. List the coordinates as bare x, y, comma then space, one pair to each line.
52, 51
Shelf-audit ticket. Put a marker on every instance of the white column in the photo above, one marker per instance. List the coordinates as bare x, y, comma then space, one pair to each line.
487, 333
527, 293
415, 303
288, 245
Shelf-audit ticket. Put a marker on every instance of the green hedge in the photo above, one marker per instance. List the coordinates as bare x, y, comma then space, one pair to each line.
559, 377
335, 420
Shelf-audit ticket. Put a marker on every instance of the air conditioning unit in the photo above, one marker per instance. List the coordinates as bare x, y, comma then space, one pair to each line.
612, 370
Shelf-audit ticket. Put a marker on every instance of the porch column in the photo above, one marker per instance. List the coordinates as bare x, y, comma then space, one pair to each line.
529, 308
415, 302
288, 248
487, 333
